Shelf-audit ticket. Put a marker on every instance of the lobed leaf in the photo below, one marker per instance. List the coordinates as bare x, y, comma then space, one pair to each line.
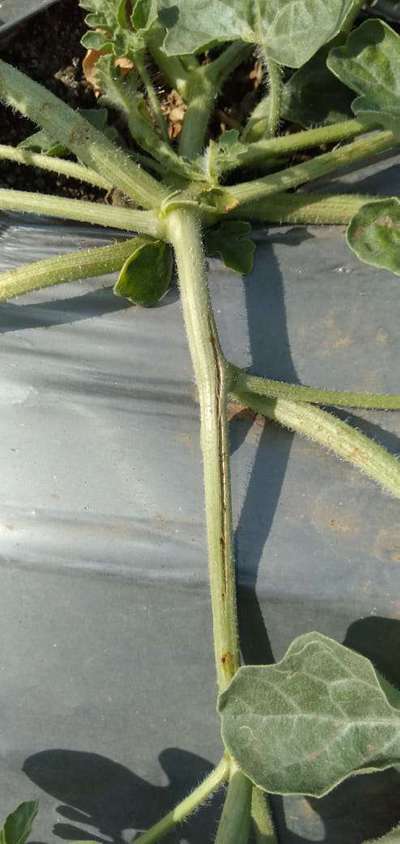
369, 63
306, 724
146, 275
374, 234
289, 31
18, 825
115, 29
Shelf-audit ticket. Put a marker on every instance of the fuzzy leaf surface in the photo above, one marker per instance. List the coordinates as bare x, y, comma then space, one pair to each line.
18, 825
291, 31
147, 273
369, 63
374, 234
306, 724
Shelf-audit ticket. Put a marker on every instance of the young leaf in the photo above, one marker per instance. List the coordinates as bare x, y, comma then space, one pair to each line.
290, 31
230, 241
146, 275
17, 826
306, 724
110, 26
369, 63
374, 234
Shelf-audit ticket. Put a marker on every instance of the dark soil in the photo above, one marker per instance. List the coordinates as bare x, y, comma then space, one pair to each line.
47, 48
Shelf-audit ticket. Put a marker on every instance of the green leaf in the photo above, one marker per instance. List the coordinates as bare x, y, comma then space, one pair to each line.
17, 826
289, 31
374, 234
313, 95
147, 273
306, 724
369, 63
96, 40
144, 15
230, 241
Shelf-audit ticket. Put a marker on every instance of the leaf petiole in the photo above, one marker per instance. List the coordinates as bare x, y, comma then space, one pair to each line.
189, 805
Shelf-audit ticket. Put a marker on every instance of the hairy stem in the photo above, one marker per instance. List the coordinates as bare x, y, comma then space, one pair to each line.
144, 222
275, 147
89, 144
337, 436
172, 67
275, 85
187, 806
205, 84
303, 208
235, 823
244, 382
316, 167
152, 96
74, 265
54, 165
262, 822
257, 123
184, 232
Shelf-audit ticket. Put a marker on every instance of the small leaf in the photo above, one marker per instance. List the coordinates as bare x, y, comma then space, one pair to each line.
231, 242
96, 40
374, 234
289, 31
306, 724
18, 825
147, 273
369, 63
314, 95
144, 15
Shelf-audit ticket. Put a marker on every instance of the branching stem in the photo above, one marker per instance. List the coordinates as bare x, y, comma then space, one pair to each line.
89, 144
74, 265
330, 432
316, 167
187, 806
242, 381
61, 166
234, 826
129, 219
288, 144
264, 831
205, 83
184, 232
275, 84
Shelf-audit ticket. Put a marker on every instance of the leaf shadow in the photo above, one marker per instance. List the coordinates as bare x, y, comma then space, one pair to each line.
269, 348
102, 794
363, 807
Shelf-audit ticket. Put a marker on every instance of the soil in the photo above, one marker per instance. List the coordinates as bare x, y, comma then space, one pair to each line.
47, 48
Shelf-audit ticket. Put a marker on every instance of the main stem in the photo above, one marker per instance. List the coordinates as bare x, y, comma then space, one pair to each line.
208, 364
